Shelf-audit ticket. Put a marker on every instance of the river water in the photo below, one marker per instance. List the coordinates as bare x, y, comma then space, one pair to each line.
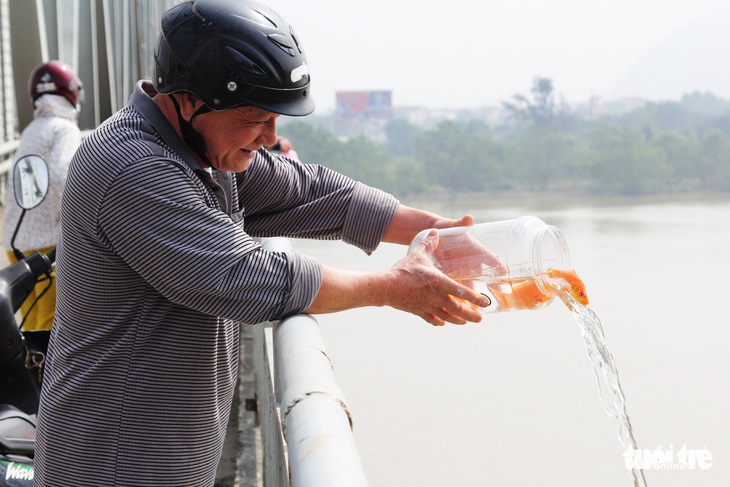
513, 401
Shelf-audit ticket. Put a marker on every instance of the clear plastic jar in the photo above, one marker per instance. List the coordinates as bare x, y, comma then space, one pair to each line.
512, 262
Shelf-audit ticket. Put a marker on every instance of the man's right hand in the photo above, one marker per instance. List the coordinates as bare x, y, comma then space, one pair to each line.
412, 285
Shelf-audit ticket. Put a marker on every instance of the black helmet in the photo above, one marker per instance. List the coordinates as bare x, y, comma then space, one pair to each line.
232, 53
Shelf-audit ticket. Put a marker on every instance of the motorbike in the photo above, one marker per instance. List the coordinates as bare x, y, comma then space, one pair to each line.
21, 352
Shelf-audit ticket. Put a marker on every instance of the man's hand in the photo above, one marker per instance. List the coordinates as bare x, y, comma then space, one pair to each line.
462, 256
412, 285
429, 293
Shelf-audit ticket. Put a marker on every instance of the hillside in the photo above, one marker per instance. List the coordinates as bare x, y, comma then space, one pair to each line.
695, 59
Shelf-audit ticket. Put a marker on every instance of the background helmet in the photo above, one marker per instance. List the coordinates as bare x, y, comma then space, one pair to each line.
232, 53
56, 78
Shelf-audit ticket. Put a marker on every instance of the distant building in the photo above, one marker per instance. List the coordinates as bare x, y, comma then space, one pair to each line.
359, 105
363, 113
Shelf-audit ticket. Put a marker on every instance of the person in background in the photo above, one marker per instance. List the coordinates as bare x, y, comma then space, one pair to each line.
285, 148
56, 93
158, 265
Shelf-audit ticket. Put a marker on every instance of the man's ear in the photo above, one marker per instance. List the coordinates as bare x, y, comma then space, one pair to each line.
189, 104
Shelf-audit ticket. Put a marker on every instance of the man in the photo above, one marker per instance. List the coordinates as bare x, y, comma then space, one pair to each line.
284, 147
53, 135
157, 265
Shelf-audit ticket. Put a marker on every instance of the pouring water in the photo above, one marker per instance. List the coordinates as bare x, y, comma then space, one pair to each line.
609, 387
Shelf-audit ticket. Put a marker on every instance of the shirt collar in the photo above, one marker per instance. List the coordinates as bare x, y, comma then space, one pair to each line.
142, 101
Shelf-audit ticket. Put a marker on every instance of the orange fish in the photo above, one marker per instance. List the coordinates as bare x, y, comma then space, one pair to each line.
570, 280
520, 295
528, 295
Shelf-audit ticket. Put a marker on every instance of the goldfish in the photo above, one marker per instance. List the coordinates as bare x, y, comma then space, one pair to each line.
575, 285
526, 294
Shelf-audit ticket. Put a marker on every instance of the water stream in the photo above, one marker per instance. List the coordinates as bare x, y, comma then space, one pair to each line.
609, 387
534, 293
537, 292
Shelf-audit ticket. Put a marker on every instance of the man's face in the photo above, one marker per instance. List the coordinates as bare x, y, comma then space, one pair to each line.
233, 136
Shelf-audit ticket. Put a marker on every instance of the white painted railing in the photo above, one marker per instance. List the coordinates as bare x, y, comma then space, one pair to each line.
306, 424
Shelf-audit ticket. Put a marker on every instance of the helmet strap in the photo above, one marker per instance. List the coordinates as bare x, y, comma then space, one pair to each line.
192, 137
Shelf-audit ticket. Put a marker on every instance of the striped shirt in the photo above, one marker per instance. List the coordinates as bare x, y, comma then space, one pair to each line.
157, 266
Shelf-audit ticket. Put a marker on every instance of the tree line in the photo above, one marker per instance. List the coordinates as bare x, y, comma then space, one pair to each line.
540, 146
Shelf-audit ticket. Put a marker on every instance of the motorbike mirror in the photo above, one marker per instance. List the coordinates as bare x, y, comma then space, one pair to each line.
30, 181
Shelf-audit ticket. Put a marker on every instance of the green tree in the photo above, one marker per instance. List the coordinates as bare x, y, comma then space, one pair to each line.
401, 137
454, 160
623, 162
361, 159
358, 158
540, 109
314, 144
705, 103
408, 178
546, 158
714, 162
682, 153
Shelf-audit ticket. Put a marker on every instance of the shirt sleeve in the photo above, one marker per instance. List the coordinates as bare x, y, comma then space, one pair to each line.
154, 218
282, 197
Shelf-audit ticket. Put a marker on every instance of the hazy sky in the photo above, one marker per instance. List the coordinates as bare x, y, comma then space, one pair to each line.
469, 53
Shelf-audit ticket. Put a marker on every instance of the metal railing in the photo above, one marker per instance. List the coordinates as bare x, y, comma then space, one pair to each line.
306, 425
108, 43
7, 151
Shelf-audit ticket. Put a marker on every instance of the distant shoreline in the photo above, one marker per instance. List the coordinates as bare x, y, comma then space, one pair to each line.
553, 201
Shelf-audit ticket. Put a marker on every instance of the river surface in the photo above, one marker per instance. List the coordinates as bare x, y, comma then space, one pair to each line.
513, 401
